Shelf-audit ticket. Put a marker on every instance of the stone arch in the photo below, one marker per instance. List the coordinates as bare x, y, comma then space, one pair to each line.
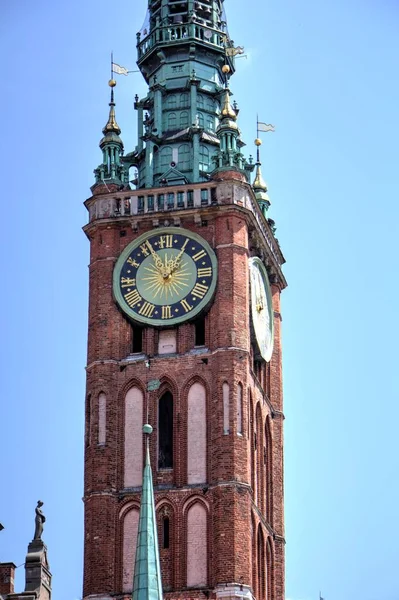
133, 436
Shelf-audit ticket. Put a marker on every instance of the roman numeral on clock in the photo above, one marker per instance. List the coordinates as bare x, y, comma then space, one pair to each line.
166, 312
127, 282
133, 298
199, 290
186, 305
147, 309
199, 255
166, 241
132, 262
206, 272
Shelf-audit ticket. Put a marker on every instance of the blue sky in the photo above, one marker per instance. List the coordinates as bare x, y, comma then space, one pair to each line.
326, 75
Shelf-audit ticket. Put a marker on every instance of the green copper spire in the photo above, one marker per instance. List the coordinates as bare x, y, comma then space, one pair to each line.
112, 170
147, 583
259, 185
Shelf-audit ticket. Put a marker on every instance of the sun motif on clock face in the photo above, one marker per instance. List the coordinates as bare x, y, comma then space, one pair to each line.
165, 277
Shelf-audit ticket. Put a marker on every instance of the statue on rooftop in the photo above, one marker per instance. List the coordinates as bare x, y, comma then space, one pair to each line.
39, 520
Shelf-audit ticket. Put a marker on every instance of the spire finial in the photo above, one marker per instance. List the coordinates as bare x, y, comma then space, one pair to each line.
147, 581
112, 126
259, 183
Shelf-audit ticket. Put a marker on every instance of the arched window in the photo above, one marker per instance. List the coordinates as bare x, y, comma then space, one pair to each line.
130, 530
239, 409
183, 100
133, 459
184, 119
259, 458
200, 101
226, 408
204, 158
210, 104
200, 118
268, 460
165, 431
166, 158
196, 434
172, 101
165, 533
261, 566
269, 571
184, 157
172, 121
210, 123
197, 547
102, 415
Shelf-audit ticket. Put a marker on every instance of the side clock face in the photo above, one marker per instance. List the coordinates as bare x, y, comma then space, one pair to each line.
165, 276
261, 308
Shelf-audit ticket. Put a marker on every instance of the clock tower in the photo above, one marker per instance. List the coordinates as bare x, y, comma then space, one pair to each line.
184, 331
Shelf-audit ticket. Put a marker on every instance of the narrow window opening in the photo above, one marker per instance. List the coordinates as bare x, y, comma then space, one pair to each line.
165, 533
137, 345
200, 332
88, 420
165, 449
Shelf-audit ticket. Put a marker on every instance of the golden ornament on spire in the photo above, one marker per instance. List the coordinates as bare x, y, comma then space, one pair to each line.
227, 110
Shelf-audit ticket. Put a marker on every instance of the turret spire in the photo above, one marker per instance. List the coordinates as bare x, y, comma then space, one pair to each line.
259, 184
147, 583
112, 170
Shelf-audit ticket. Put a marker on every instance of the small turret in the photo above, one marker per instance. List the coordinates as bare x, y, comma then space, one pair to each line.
259, 185
111, 171
229, 156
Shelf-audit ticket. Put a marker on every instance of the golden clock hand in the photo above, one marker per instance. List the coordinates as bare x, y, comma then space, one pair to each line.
157, 259
175, 263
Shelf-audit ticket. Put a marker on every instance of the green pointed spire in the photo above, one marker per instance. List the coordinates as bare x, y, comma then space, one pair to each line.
147, 583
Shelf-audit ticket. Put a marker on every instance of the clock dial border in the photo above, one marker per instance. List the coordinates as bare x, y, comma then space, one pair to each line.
203, 303
256, 263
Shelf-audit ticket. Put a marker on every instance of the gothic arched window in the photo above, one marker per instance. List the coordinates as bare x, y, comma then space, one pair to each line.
165, 431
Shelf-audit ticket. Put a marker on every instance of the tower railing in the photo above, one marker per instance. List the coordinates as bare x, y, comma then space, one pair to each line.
179, 32
153, 201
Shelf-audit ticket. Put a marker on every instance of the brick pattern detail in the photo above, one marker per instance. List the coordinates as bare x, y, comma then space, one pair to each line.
7, 573
243, 487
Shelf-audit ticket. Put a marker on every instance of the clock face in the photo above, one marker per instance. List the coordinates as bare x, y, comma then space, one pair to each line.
261, 308
165, 276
